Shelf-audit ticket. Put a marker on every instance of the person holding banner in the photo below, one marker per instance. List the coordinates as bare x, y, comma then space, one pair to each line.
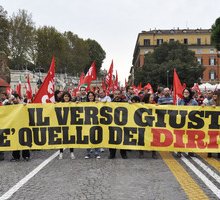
215, 102
103, 98
129, 94
166, 98
117, 98
83, 97
91, 98
187, 100
25, 153
209, 101
216, 97
66, 97
3, 101
58, 96
76, 98
148, 99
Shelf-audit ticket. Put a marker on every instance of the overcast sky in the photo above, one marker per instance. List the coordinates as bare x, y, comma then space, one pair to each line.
115, 24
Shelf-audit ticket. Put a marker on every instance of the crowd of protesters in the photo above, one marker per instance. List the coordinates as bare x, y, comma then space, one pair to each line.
163, 96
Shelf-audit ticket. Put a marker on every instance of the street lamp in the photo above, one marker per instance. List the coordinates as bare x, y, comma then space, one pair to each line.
168, 78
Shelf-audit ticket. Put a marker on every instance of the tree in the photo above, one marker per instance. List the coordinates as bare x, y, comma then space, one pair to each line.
4, 30
96, 53
72, 53
50, 43
76, 54
158, 66
33, 48
215, 36
21, 39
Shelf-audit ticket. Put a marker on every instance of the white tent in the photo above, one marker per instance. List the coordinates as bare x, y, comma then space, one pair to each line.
208, 86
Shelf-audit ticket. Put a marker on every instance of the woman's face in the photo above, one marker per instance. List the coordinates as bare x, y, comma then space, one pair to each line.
151, 98
91, 97
215, 96
66, 98
59, 95
185, 93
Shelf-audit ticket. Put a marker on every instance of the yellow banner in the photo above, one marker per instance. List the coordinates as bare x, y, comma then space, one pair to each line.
110, 125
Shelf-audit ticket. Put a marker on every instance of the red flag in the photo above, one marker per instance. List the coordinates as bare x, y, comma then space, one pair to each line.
103, 85
149, 88
108, 78
135, 89
8, 90
139, 87
28, 89
18, 87
196, 88
81, 78
177, 88
74, 91
90, 75
116, 82
46, 92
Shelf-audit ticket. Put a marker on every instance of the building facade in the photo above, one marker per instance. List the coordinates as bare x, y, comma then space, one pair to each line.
198, 40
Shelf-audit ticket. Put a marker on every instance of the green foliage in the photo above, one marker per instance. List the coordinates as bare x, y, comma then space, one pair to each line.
76, 54
21, 39
95, 53
158, 66
4, 30
50, 43
215, 37
33, 48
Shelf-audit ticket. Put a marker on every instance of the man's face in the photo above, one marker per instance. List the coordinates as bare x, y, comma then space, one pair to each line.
215, 96
102, 93
117, 94
209, 94
130, 90
78, 94
2, 96
83, 91
166, 92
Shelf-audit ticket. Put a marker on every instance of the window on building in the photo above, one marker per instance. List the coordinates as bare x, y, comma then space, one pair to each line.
198, 41
185, 41
171, 40
146, 42
159, 41
212, 75
199, 60
212, 61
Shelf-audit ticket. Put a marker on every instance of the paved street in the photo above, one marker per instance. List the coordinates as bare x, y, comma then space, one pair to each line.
118, 179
